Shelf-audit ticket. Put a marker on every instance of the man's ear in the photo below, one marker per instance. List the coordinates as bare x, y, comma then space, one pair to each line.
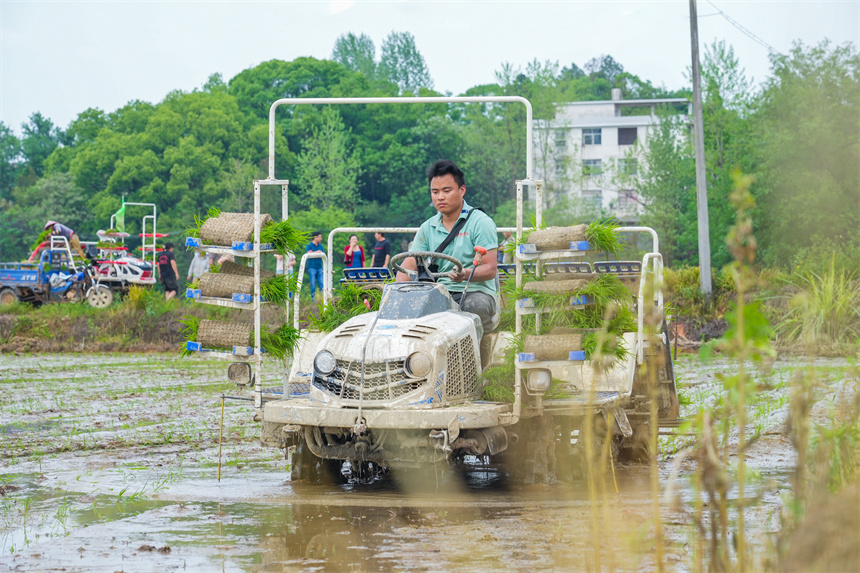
462, 190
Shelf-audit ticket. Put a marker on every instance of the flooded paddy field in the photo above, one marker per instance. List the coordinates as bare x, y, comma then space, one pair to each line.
110, 463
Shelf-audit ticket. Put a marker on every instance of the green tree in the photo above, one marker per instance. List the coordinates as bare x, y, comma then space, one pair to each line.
10, 151
810, 120
668, 184
402, 64
356, 53
39, 141
327, 169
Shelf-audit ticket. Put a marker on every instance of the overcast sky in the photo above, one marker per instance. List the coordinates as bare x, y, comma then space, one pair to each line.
62, 57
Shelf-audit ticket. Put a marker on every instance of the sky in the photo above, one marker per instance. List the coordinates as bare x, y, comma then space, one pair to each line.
62, 57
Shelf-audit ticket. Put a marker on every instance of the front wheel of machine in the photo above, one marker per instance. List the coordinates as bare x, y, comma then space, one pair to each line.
8, 296
99, 297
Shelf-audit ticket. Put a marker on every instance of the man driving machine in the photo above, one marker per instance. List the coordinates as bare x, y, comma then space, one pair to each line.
458, 229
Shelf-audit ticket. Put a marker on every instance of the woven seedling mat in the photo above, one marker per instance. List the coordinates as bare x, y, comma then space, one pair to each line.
557, 238
228, 227
557, 287
552, 346
221, 334
231, 268
556, 277
224, 285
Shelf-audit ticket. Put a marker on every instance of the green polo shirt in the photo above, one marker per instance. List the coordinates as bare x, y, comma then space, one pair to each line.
478, 231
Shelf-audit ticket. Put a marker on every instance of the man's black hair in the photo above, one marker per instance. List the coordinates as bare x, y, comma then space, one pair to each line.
445, 167
316, 233
381, 233
168, 245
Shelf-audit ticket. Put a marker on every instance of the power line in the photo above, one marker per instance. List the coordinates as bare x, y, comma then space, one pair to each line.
746, 32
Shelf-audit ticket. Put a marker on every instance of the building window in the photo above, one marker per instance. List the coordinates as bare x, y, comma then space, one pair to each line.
561, 139
626, 135
591, 136
595, 197
628, 166
559, 168
592, 167
627, 199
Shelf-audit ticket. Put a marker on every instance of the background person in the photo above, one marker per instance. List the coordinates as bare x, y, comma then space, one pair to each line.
168, 271
315, 266
381, 251
448, 191
60, 229
199, 265
350, 251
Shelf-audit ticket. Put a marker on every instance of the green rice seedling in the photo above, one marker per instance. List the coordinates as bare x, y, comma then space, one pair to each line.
282, 342
602, 236
499, 379
194, 230
348, 304
43, 236
278, 288
189, 331
602, 290
611, 346
284, 237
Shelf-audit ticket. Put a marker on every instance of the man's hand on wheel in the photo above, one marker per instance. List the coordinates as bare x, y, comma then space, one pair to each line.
461, 276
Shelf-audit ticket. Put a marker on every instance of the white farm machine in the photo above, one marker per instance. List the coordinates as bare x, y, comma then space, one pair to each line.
404, 387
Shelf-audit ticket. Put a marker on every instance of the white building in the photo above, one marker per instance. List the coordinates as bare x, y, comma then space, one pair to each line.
592, 154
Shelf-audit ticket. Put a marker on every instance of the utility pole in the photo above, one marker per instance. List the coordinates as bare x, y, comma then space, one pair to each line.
699, 142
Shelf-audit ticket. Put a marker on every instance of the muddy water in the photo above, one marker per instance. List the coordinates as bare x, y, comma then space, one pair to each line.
110, 463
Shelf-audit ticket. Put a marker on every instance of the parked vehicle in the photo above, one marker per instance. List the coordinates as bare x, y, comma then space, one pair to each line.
56, 277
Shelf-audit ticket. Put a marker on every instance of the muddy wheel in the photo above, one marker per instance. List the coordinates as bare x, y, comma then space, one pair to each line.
99, 297
8, 296
637, 447
597, 456
307, 467
532, 458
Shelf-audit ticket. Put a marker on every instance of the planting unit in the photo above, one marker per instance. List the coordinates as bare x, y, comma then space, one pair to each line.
404, 386
228, 236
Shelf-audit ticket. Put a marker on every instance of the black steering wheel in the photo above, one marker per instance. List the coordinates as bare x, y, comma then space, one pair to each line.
419, 259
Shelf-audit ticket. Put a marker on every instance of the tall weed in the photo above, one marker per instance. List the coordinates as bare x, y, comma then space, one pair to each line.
825, 310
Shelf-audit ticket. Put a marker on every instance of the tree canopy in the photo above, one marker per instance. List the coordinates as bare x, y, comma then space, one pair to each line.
797, 134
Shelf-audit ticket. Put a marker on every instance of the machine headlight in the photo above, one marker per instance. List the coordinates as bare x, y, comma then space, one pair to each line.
418, 365
539, 380
324, 362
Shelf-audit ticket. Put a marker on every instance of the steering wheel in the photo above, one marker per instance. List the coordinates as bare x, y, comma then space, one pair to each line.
420, 255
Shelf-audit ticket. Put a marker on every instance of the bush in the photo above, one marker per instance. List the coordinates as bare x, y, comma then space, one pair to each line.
824, 310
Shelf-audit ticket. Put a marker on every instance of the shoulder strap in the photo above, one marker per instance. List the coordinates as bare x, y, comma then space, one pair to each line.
454, 231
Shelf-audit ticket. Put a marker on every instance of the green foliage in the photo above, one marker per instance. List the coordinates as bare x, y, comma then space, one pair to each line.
327, 171
356, 53
810, 123
349, 303
402, 64
825, 310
